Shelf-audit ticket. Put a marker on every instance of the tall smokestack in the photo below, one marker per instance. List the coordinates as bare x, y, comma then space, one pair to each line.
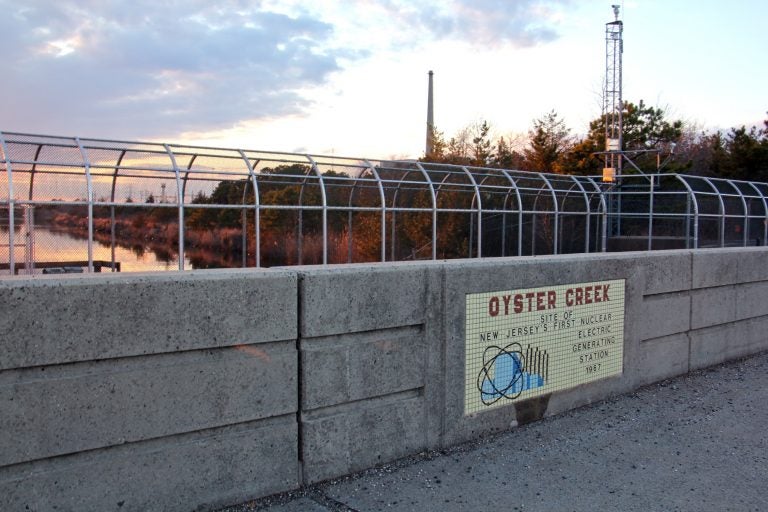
430, 119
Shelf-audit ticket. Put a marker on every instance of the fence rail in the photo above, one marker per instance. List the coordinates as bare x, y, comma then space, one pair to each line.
67, 199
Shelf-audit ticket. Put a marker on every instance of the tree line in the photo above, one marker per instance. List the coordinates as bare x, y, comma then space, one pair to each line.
650, 140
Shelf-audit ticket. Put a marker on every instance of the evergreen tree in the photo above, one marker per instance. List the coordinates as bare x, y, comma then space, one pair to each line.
505, 157
481, 145
644, 128
549, 141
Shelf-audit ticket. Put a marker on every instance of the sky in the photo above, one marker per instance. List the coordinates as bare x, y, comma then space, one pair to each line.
349, 78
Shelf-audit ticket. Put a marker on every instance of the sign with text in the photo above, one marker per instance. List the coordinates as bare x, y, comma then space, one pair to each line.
530, 342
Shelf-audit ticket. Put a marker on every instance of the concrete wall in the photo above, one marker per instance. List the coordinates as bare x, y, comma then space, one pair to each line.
162, 392
370, 365
202, 389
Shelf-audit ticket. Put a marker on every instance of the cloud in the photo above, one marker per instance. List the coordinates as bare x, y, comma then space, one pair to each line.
519, 23
146, 69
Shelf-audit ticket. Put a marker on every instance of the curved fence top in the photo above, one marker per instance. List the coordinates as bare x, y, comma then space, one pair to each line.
384, 209
47, 168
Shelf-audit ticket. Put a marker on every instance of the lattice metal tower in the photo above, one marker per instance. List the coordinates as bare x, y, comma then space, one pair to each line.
613, 104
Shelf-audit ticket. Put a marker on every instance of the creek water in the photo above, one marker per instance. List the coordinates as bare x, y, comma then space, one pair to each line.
47, 245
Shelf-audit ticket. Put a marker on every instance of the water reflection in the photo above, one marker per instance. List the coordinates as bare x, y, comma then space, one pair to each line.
55, 245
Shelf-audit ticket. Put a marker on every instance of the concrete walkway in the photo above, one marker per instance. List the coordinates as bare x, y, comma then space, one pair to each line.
695, 443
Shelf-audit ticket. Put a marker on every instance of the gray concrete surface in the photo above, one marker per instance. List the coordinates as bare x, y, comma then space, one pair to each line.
233, 385
140, 398
209, 468
123, 392
696, 442
64, 319
369, 346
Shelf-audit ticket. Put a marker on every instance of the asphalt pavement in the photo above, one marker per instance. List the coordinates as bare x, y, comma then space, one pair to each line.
694, 443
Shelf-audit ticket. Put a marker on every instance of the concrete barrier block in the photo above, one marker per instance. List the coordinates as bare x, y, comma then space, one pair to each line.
201, 471
753, 264
51, 320
659, 359
365, 365
355, 298
663, 315
715, 345
51, 411
751, 300
713, 306
715, 267
352, 437
666, 271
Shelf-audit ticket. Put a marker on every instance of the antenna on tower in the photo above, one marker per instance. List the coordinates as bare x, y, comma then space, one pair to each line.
430, 119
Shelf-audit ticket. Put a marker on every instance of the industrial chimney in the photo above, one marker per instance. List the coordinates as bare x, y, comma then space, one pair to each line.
430, 119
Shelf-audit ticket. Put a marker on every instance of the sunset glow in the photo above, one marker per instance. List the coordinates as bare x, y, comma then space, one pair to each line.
349, 78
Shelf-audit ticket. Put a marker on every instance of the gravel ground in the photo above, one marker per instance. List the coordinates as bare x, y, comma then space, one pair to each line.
694, 443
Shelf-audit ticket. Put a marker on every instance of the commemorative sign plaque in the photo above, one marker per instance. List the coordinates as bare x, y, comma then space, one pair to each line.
524, 343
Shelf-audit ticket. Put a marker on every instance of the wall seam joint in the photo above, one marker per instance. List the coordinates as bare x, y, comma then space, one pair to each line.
690, 316
299, 383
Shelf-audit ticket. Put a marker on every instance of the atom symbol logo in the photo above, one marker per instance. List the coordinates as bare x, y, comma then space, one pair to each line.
507, 372
506, 365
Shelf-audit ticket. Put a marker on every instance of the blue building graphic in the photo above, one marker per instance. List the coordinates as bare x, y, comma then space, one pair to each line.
506, 375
